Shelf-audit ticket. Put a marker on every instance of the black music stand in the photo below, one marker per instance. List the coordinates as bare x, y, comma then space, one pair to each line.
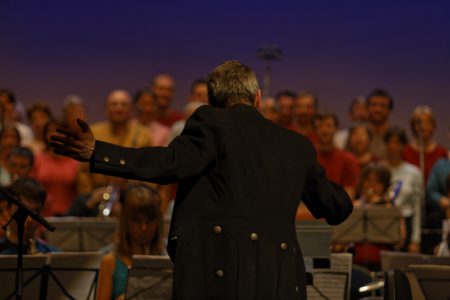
150, 277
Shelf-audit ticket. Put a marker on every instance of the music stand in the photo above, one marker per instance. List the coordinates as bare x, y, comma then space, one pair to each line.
150, 277
97, 232
434, 280
67, 237
375, 224
32, 275
73, 275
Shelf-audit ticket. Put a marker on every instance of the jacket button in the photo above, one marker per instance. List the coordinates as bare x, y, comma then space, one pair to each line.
106, 159
283, 246
219, 273
122, 161
254, 237
217, 229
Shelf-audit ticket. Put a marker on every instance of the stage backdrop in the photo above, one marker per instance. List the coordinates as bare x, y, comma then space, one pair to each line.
338, 49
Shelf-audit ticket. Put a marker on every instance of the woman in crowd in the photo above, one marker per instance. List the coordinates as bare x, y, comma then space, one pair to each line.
9, 139
358, 143
57, 174
38, 115
139, 233
406, 182
423, 125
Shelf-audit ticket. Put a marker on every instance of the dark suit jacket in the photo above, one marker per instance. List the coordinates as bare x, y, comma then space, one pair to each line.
240, 182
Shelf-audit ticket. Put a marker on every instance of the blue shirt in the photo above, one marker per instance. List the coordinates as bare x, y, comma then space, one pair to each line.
436, 182
7, 247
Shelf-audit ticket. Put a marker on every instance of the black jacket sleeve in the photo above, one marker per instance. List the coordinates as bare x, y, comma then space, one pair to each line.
324, 198
188, 155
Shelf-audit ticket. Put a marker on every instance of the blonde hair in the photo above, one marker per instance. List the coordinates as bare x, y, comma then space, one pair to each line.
140, 200
417, 113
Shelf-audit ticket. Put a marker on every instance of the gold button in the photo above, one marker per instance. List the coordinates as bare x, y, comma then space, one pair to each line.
254, 237
219, 273
283, 246
173, 238
217, 229
122, 161
106, 159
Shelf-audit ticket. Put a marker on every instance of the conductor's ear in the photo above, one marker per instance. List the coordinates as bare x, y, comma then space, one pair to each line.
258, 99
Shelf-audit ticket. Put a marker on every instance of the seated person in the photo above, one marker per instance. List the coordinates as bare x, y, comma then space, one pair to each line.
372, 190
31, 193
140, 229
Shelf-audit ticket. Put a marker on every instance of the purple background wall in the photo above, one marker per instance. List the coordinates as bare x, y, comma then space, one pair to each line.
339, 49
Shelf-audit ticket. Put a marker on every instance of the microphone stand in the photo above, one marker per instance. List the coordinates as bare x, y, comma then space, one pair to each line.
421, 146
20, 216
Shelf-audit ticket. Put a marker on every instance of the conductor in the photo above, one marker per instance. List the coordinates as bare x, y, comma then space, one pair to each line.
241, 179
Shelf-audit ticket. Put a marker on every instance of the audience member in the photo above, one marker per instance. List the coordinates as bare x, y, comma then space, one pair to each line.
32, 194
20, 162
406, 182
9, 139
357, 113
9, 116
304, 111
139, 233
57, 174
145, 108
286, 101
379, 105
73, 109
341, 166
358, 143
199, 91
423, 125
38, 115
163, 89
438, 201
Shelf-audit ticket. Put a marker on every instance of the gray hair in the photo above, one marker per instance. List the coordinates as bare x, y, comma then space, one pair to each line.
231, 83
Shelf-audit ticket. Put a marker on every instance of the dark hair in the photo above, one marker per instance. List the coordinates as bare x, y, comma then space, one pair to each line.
326, 115
398, 132
29, 188
305, 93
141, 92
39, 106
197, 82
23, 152
352, 130
9, 94
380, 93
231, 83
381, 171
285, 93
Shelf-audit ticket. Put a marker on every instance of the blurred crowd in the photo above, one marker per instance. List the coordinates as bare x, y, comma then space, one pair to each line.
375, 162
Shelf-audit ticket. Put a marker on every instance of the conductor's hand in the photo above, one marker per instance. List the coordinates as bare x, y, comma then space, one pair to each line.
76, 144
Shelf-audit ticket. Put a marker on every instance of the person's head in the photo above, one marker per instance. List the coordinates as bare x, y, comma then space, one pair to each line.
163, 89
374, 182
38, 115
32, 194
357, 110
118, 106
395, 140
231, 83
20, 162
306, 105
379, 105
270, 110
9, 138
140, 220
285, 100
144, 103
359, 138
7, 103
326, 125
199, 91
423, 122
73, 109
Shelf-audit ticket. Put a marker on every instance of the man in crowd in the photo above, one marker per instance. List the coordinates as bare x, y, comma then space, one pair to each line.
304, 111
285, 100
163, 89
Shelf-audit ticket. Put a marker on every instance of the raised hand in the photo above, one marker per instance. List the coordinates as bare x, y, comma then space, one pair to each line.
76, 144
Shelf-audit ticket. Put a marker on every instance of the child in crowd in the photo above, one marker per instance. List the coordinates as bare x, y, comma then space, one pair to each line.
139, 233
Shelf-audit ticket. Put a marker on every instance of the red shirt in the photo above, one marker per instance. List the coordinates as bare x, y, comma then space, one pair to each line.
412, 156
341, 167
170, 118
